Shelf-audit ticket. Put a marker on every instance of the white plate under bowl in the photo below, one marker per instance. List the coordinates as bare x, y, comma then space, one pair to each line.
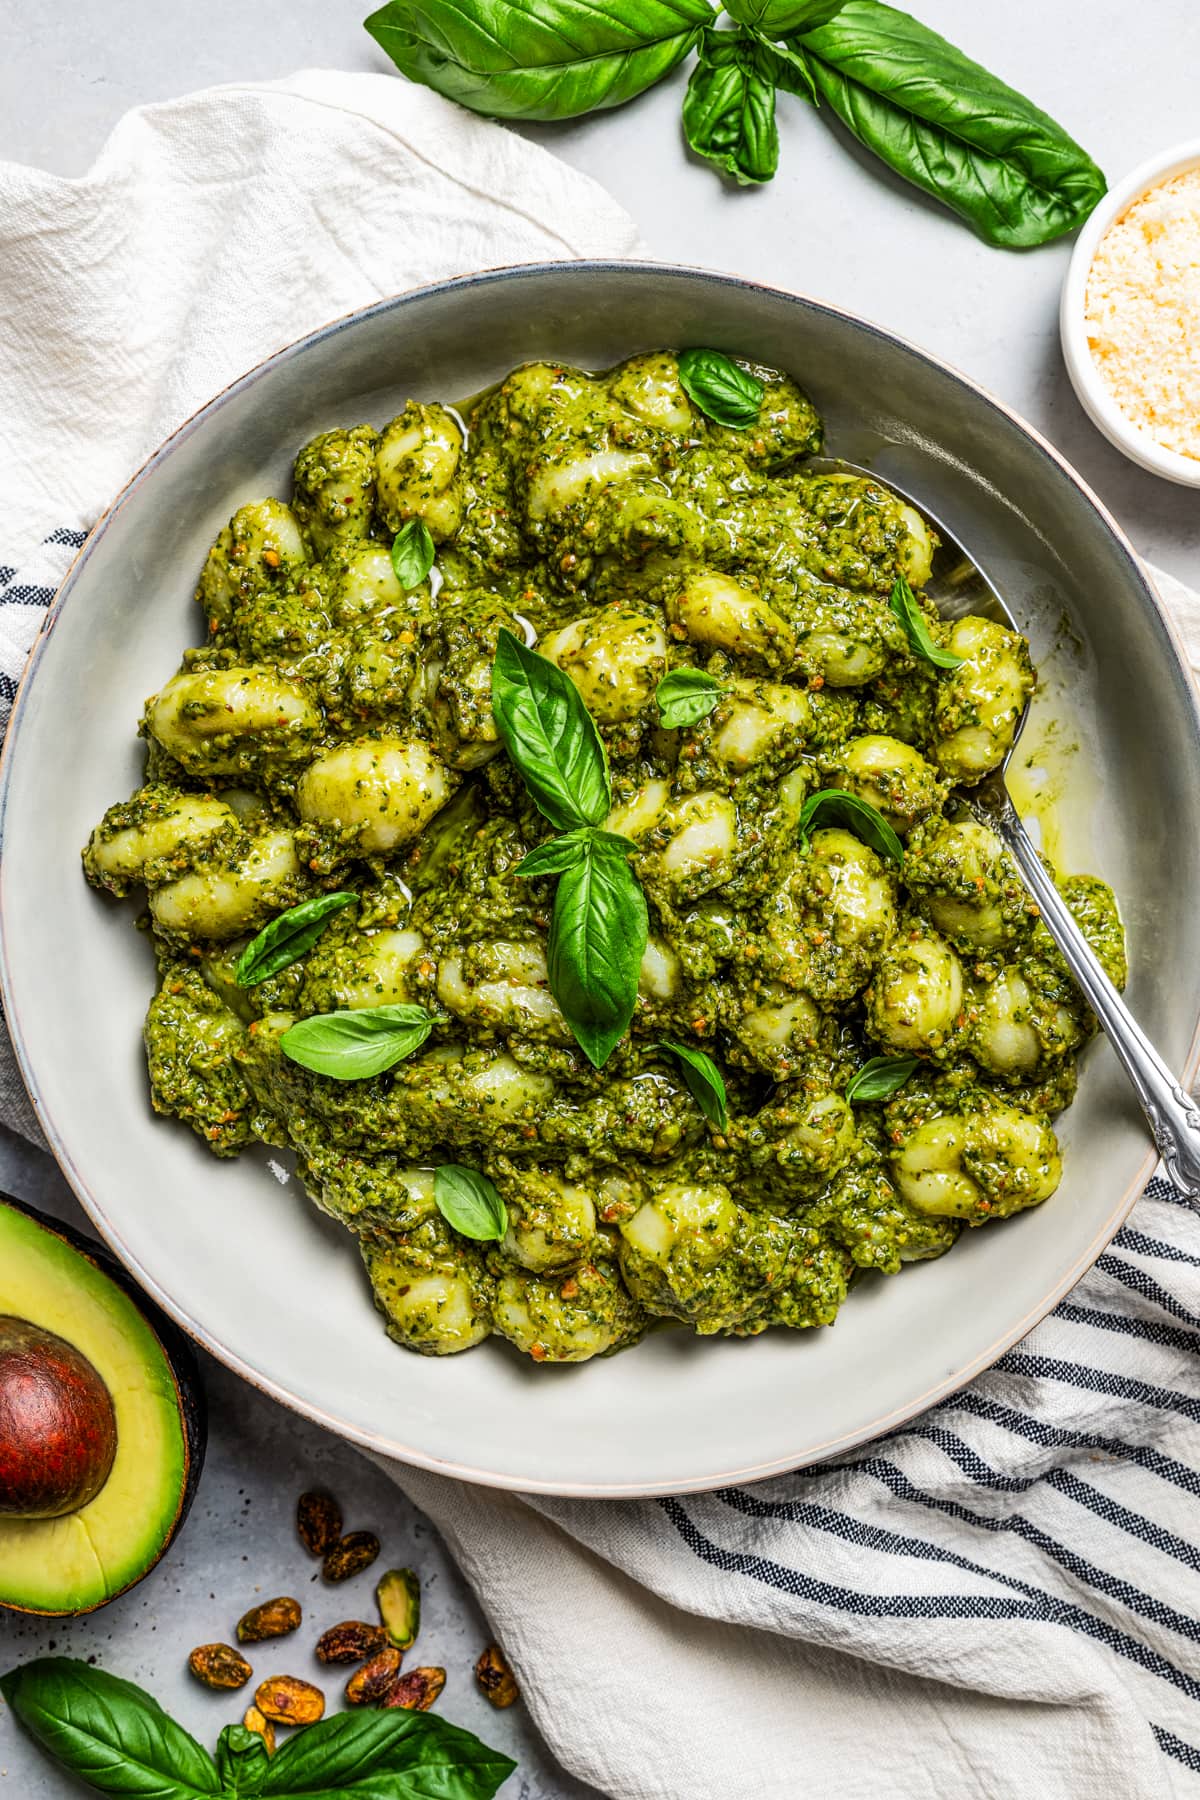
241, 1259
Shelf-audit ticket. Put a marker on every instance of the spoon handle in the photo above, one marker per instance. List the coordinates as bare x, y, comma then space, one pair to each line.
1173, 1117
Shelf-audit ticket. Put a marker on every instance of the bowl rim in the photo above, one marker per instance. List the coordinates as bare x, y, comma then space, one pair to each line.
76, 1176
1089, 385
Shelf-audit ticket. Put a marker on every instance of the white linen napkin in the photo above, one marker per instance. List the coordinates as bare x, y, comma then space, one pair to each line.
1000, 1600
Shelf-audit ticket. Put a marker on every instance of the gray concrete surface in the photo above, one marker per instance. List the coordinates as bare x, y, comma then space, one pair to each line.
832, 224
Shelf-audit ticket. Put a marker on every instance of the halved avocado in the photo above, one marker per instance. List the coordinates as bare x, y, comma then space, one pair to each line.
64, 1284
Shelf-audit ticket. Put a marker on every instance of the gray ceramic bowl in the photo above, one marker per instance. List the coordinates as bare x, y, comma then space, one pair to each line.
234, 1251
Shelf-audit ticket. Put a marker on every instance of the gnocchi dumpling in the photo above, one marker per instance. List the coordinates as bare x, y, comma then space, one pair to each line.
416, 470
233, 723
156, 836
381, 792
724, 614
222, 900
616, 661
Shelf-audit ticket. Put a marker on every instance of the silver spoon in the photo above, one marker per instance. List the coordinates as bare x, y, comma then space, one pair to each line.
957, 588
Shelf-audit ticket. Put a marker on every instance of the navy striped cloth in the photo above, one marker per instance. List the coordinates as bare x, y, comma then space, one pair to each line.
25, 597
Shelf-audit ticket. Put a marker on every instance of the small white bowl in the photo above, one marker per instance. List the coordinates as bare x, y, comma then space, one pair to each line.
1086, 379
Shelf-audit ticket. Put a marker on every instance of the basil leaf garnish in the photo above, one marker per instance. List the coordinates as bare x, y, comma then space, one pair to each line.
286, 939
412, 553
537, 59
107, 1731
903, 603
550, 736
357, 1043
555, 856
241, 1761
856, 815
729, 110
392, 1755
720, 389
881, 1077
469, 1201
950, 127
598, 932
704, 1082
686, 696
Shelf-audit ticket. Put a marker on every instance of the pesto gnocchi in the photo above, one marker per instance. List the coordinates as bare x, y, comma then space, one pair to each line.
334, 730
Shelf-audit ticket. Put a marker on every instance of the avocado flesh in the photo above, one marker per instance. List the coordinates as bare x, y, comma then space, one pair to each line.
76, 1562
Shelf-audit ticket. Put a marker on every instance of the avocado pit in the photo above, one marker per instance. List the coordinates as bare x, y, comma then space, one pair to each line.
58, 1427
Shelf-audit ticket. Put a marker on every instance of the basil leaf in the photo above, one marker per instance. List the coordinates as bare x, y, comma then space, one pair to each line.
729, 108
241, 1761
779, 18
903, 603
385, 1756
704, 1082
686, 696
538, 59
107, 1731
468, 1201
881, 1077
598, 933
550, 736
720, 389
856, 815
355, 1044
790, 71
950, 127
412, 553
554, 857
287, 938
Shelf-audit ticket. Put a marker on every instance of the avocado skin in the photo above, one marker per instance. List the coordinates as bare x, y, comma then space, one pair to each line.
185, 1368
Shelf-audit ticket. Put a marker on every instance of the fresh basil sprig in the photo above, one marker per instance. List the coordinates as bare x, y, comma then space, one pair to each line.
412, 553
598, 932
836, 806
550, 735
538, 59
599, 926
720, 389
357, 1043
930, 113
903, 603
948, 126
881, 1077
729, 107
287, 938
118, 1740
470, 1202
704, 1082
686, 696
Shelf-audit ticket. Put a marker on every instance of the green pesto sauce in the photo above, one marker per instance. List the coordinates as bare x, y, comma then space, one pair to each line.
335, 730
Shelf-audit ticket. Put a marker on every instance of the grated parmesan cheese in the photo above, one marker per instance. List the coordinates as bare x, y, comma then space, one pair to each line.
1143, 312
